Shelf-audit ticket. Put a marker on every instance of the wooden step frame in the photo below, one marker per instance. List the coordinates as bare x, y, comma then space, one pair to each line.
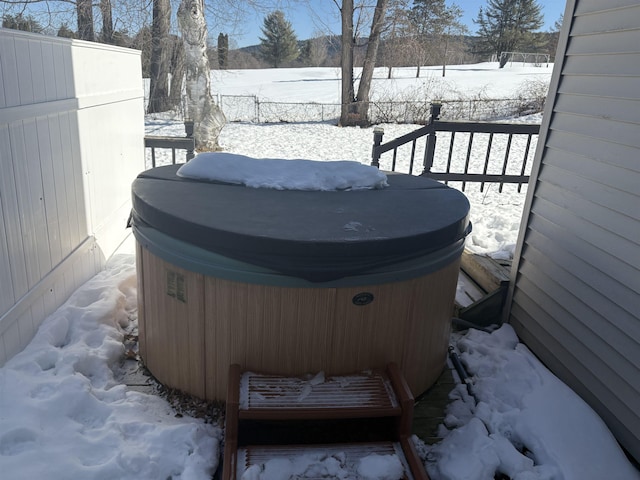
389, 385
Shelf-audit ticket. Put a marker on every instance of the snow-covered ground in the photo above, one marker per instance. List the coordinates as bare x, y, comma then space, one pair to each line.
64, 415
520, 420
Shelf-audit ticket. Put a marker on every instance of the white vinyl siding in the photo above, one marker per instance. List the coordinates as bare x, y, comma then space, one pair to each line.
575, 294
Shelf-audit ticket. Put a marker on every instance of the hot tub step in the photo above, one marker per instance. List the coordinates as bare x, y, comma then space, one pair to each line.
339, 460
352, 416
367, 394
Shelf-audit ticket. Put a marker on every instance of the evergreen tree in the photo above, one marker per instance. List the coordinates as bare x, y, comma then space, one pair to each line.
279, 44
223, 50
554, 36
434, 17
21, 22
508, 25
435, 22
65, 32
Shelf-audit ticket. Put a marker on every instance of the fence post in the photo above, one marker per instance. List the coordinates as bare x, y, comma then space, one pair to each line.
378, 133
257, 109
430, 150
188, 128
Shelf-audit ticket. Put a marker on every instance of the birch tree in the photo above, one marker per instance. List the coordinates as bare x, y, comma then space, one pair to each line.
207, 117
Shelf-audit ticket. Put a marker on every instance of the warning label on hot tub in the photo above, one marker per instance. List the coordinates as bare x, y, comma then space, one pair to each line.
176, 286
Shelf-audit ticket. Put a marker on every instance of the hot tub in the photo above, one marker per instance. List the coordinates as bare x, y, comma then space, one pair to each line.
290, 282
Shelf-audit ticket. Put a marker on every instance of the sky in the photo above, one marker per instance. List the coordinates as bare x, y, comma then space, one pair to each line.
312, 17
243, 20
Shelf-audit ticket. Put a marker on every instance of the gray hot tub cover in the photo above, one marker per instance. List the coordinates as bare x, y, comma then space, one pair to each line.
318, 236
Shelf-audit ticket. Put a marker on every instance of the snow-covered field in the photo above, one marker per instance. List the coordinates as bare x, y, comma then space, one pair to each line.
64, 415
322, 84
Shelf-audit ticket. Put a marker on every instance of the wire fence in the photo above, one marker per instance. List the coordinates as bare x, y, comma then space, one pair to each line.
249, 108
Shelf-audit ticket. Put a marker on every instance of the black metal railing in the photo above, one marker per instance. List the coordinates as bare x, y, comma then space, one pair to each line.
476, 159
172, 143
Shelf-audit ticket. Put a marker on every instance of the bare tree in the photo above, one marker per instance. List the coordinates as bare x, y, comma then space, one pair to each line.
346, 63
317, 51
93, 25
160, 57
107, 21
84, 10
355, 108
177, 71
396, 42
207, 117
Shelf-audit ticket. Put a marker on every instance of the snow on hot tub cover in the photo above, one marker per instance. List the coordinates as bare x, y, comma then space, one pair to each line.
283, 174
319, 236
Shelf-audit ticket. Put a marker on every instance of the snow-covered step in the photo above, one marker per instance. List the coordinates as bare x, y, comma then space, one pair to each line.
367, 394
371, 397
367, 460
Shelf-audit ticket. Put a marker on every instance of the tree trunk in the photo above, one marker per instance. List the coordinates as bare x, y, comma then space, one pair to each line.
364, 88
160, 58
84, 12
107, 21
346, 62
207, 117
444, 56
177, 71
355, 109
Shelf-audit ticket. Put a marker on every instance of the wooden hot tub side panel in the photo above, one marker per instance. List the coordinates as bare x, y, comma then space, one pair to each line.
369, 336
225, 340
253, 325
173, 327
432, 308
189, 343
142, 343
301, 314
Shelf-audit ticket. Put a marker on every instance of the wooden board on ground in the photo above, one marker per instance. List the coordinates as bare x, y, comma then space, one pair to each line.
467, 291
488, 273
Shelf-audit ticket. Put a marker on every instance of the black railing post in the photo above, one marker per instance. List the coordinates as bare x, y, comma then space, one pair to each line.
188, 128
378, 133
430, 149
430, 130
